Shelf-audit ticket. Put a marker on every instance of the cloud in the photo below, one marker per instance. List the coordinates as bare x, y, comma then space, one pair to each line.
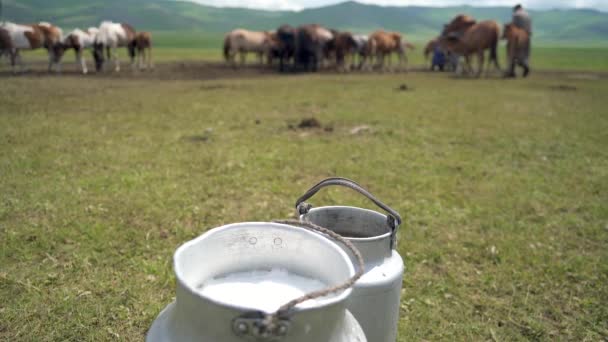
301, 4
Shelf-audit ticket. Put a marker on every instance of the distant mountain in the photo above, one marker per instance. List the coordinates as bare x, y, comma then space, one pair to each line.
571, 25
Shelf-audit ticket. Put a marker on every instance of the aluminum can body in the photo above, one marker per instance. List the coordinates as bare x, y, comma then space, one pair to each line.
242, 247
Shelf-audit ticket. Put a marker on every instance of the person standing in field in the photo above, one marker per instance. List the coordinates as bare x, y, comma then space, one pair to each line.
518, 34
521, 19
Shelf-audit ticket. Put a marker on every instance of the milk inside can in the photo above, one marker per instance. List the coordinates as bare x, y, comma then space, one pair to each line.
232, 278
375, 300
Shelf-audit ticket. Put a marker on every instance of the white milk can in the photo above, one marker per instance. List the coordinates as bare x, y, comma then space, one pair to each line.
233, 281
375, 300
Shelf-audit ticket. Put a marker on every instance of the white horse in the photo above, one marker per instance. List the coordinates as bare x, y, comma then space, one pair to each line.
30, 37
244, 41
361, 42
80, 40
111, 36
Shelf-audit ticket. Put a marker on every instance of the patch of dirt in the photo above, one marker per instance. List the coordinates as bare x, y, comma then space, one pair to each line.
190, 70
404, 87
563, 87
309, 123
206, 70
196, 138
199, 138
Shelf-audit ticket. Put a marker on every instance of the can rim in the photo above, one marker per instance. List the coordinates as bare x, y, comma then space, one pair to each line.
321, 303
383, 236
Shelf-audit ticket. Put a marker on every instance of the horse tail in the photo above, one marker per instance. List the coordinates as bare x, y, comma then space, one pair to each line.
494, 47
427, 51
227, 47
132, 48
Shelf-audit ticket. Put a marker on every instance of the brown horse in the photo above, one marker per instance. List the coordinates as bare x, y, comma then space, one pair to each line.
30, 37
143, 44
518, 48
465, 36
382, 44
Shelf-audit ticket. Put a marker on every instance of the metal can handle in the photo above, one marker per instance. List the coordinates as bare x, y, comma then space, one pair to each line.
393, 217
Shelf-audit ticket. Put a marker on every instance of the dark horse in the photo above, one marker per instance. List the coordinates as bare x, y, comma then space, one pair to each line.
286, 45
311, 41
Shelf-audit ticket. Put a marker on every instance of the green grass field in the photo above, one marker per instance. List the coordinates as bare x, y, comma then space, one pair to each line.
503, 188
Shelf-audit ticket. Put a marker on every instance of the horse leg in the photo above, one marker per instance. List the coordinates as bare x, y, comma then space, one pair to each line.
511, 61
348, 61
132, 50
363, 62
150, 62
461, 66
141, 58
480, 62
13, 56
109, 56
80, 59
511, 71
243, 57
524, 64
116, 60
232, 58
19, 59
489, 64
526, 69
50, 61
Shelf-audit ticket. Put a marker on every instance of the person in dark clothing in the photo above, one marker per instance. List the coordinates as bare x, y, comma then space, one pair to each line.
438, 59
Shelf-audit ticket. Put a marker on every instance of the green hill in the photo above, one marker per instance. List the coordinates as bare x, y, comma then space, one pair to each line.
556, 26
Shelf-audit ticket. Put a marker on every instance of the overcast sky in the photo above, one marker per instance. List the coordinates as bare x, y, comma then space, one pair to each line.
300, 4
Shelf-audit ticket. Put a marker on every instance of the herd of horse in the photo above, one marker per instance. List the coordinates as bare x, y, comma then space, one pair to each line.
103, 41
303, 48
310, 47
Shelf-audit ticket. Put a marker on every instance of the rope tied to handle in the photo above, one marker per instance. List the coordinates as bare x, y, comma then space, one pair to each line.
333, 289
274, 326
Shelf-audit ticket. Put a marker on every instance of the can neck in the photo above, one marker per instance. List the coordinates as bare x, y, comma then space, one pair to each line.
368, 230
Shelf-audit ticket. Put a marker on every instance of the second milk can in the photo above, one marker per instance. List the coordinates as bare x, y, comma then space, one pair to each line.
375, 299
